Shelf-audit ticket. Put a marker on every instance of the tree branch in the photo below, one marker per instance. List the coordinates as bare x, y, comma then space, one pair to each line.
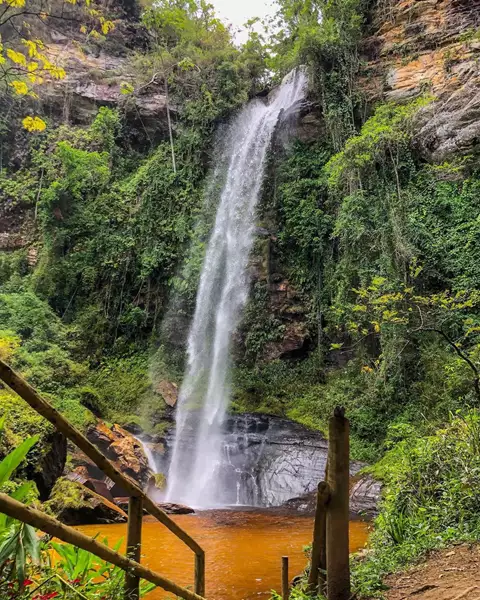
463, 356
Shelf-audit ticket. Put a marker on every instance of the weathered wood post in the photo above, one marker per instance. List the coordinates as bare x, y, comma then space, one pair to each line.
134, 546
285, 582
338, 559
200, 573
318, 564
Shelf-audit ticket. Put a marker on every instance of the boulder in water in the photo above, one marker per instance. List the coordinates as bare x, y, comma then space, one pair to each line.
171, 508
175, 509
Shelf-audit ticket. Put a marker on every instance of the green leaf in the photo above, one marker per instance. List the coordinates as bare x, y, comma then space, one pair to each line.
14, 459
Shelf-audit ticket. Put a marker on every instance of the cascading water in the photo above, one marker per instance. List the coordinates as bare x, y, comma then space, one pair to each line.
194, 476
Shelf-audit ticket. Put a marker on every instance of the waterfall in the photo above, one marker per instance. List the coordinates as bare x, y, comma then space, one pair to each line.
195, 471
148, 454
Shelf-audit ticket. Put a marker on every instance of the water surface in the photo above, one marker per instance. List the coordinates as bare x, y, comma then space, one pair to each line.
243, 549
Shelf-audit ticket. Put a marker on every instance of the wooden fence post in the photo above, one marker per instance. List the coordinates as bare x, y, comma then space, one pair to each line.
200, 573
285, 582
318, 563
134, 546
338, 559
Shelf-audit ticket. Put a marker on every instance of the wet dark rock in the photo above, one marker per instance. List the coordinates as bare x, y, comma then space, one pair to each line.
365, 496
171, 508
175, 509
51, 464
268, 460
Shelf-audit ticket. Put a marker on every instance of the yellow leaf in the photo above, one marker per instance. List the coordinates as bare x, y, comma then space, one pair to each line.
34, 124
360, 308
16, 3
33, 66
20, 87
31, 47
107, 26
367, 369
83, 29
17, 57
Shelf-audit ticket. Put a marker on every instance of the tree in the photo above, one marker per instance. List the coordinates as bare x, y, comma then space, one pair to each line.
25, 61
384, 305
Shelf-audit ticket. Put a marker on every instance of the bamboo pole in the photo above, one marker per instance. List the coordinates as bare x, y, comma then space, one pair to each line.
285, 582
134, 546
44, 408
338, 559
35, 518
318, 565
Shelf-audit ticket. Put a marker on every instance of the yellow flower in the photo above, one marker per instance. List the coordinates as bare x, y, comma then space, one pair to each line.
34, 124
14, 3
107, 26
17, 57
20, 87
31, 47
367, 369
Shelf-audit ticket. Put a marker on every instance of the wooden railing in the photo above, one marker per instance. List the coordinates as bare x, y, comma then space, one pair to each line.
330, 561
138, 500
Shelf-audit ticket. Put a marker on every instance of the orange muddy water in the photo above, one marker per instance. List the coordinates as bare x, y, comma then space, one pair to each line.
243, 549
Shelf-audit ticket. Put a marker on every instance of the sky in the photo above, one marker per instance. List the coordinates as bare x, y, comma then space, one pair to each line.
237, 12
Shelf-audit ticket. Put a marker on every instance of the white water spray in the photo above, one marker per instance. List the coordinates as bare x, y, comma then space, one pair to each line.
194, 477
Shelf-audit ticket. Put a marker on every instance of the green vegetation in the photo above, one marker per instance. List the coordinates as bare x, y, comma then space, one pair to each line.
381, 248
431, 499
26, 560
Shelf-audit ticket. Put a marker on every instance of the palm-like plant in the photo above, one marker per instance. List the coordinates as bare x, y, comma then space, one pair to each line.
18, 541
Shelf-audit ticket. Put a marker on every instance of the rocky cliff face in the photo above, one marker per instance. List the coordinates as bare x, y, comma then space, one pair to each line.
429, 46
267, 460
415, 47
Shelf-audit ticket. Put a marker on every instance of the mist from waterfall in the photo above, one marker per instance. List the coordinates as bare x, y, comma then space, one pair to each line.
195, 474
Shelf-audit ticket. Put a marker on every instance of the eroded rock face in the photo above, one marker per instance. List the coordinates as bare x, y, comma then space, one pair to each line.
122, 448
365, 496
169, 392
429, 46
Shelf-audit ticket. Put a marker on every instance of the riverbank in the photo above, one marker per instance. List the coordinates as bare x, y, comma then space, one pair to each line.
449, 574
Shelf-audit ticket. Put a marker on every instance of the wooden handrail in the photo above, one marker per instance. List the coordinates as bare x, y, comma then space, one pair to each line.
42, 521
46, 410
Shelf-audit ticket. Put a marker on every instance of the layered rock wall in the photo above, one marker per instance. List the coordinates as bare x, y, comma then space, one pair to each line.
429, 46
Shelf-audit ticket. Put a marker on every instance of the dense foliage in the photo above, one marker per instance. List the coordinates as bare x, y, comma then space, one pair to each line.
380, 246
